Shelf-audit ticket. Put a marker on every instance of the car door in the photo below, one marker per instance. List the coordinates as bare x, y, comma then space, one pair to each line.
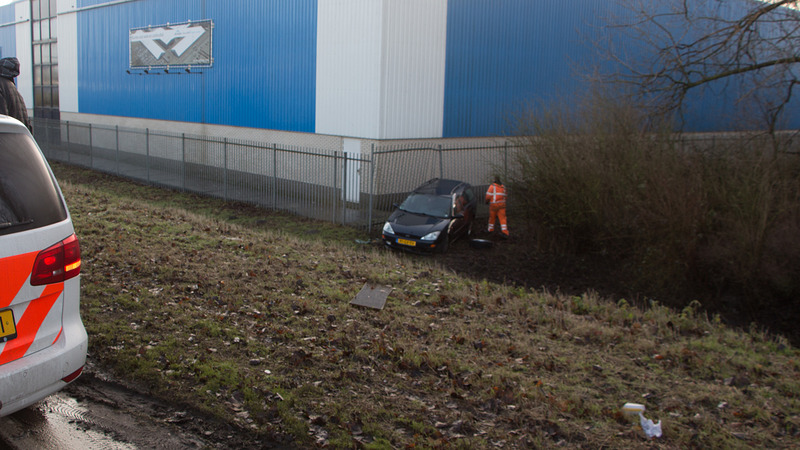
471, 205
460, 208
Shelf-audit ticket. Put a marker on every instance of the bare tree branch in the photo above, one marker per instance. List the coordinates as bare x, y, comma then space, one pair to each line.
743, 69
688, 44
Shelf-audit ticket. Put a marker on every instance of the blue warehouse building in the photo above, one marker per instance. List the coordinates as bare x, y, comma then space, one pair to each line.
365, 69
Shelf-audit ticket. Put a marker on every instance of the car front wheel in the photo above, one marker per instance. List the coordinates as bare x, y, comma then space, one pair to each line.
445, 244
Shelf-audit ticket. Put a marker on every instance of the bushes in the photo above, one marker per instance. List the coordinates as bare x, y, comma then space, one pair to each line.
677, 217
754, 203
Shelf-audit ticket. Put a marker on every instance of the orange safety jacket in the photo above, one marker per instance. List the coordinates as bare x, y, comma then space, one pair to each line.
496, 195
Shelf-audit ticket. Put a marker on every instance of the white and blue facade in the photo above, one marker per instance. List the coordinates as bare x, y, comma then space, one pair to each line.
15, 40
362, 69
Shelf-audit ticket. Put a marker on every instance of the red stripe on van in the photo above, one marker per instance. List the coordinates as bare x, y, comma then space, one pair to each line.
57, 336
28, 325
14, 269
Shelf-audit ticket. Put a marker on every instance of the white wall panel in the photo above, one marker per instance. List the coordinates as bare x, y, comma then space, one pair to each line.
22, 15
348, 67
414, 39
380, 68
68, 56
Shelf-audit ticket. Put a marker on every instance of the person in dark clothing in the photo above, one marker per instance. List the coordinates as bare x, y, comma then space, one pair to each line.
11, 102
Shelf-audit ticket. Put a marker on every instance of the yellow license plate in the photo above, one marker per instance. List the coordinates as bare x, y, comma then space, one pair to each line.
8, 329
407, 242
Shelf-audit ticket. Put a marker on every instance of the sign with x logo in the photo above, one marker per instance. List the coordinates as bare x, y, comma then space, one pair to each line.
172, 45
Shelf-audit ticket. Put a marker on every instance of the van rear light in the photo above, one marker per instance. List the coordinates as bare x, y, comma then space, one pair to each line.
71, 377
57, 263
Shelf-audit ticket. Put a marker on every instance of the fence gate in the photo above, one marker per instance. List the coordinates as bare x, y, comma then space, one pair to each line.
352, 170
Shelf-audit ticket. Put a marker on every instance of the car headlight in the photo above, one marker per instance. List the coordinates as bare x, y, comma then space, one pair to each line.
431, 236
387, 228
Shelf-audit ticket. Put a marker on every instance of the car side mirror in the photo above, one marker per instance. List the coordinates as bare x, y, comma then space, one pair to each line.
458, 215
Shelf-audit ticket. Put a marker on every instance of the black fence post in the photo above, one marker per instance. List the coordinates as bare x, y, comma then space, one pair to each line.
116, 152
69, 147
505, 161
371, 187
441, 162
225, 170
183, 161
274, 176
147, 152
344, 187
335, 185
91, 148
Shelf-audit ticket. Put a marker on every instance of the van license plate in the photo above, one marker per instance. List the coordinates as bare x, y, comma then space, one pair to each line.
407, 242
8, 329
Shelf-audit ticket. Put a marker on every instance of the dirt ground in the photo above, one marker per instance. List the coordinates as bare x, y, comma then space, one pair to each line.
511, 261
131, 415
100, 411
508, 260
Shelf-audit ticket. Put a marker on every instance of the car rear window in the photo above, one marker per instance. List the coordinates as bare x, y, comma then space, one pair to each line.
28, 195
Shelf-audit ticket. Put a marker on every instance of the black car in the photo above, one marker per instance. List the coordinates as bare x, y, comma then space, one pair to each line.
432, 216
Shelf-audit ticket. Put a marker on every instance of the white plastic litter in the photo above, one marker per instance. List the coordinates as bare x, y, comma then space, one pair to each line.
651, 430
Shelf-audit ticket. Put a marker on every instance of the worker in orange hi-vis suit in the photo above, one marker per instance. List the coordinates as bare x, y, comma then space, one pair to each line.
496, 198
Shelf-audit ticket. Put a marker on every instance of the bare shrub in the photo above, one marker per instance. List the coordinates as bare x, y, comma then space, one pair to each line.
754, 203
601, 180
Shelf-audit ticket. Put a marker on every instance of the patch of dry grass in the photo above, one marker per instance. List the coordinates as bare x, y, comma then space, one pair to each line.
249, 318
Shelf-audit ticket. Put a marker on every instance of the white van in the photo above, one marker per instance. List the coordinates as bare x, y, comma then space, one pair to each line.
43, 342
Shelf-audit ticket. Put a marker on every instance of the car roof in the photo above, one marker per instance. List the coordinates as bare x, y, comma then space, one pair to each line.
9, 124
438, 186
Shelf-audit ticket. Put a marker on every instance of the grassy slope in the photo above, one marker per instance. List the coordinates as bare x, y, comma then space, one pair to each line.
245, 313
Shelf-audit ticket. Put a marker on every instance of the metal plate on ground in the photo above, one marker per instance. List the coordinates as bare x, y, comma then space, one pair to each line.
480, 243
372, 296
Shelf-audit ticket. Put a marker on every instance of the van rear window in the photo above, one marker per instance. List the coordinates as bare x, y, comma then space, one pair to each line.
28, 195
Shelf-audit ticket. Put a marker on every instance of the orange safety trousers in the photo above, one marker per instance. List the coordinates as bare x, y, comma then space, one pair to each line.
497, 211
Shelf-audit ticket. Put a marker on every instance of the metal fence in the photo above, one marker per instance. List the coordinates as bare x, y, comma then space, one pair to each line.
350, 188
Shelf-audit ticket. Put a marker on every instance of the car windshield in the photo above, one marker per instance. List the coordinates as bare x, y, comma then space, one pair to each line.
429, 205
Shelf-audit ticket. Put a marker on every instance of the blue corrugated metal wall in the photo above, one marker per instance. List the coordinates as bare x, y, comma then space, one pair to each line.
504, 57
7, 14
263, 74
8, 34
499, 59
